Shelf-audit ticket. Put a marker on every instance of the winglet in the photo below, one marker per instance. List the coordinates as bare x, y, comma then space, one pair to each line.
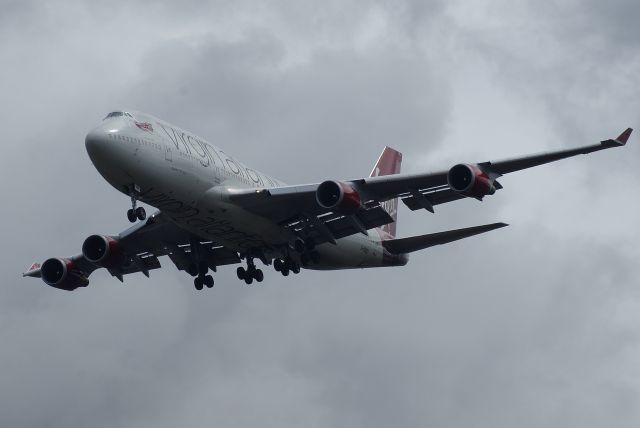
622, 138
620, 141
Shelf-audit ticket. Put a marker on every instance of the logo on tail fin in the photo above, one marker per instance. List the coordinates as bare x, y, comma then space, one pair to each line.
388, 163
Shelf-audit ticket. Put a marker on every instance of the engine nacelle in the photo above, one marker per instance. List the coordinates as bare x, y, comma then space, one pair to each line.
339, 197
101, 250
470, 180
59, 273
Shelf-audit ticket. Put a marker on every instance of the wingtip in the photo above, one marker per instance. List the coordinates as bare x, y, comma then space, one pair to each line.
624, 137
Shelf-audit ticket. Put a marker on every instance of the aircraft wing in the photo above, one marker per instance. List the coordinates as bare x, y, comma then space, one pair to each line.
406, 185
138, 249
297, 208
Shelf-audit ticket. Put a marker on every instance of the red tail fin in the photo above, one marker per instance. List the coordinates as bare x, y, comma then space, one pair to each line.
388, 164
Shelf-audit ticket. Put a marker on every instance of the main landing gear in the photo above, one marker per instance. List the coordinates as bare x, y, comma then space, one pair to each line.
202, 278
286, 265
305, 248
250, 273
135, 213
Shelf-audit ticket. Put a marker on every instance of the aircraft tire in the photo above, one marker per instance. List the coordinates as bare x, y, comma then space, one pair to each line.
295, 269
198, 282
208, 281
285, 272
248, 280
259, 275
131, 215
141, 214
241, 273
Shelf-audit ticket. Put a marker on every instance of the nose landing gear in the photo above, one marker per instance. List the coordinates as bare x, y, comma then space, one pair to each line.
135, 213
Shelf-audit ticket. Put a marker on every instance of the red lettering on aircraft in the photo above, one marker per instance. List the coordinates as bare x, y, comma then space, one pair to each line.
145, 126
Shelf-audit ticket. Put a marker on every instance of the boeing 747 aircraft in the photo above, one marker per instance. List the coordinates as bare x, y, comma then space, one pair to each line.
215, 211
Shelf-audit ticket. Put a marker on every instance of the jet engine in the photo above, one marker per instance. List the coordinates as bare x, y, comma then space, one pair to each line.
470, 180
101, 250
339, 197
60, 273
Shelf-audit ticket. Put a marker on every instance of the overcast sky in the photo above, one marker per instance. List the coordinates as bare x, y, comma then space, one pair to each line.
534, 325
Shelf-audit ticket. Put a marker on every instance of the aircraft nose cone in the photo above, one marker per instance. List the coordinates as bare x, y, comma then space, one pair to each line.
110, 158
96, 144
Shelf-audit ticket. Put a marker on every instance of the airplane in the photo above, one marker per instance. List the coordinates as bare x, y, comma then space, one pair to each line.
215, 211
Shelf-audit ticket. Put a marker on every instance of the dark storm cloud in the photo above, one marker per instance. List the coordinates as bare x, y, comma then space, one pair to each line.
533, 325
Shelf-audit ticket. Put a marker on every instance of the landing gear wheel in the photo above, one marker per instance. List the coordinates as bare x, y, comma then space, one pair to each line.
285, 272
141, 214
198, 282
278, 264
258, 275
248, 280
241, 273
208, 281
131, 215
295, 269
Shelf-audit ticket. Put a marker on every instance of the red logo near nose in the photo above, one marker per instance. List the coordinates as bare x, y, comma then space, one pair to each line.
145, 126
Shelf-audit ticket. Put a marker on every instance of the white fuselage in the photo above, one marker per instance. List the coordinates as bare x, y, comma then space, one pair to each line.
178, 173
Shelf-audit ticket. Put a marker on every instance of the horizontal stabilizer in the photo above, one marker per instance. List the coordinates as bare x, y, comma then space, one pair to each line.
416, 243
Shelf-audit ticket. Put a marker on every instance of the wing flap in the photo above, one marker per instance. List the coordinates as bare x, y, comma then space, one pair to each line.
428, 200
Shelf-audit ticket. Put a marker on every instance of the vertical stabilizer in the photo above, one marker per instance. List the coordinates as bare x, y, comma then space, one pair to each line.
388, 163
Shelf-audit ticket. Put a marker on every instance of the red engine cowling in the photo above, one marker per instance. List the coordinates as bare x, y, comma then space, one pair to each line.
102, 250
61, 273
470, 180
339, 197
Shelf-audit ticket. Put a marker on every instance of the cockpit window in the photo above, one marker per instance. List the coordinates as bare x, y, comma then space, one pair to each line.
114, 114
118, 114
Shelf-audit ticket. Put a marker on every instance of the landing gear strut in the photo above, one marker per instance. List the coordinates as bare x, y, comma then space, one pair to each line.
250, 273
135, 213
200, 270
304, 245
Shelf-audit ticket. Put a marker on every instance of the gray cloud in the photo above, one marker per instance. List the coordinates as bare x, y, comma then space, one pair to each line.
532, 325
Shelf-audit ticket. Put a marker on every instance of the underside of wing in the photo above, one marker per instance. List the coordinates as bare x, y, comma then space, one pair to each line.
137, 249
